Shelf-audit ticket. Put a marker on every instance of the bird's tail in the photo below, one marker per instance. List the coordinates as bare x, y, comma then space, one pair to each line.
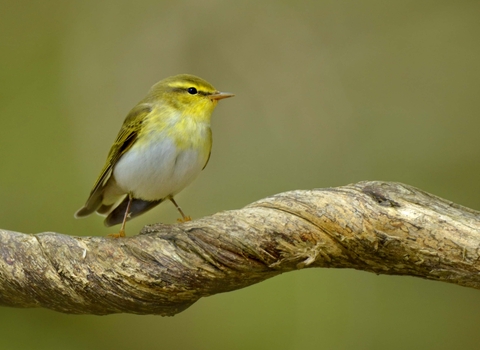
137, 207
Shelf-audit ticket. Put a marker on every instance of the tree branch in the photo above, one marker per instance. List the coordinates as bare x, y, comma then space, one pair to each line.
385, 228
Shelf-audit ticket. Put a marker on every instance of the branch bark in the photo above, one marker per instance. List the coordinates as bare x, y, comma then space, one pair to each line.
385, 228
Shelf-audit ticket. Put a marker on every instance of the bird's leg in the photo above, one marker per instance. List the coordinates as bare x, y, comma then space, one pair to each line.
184, 217
125, 217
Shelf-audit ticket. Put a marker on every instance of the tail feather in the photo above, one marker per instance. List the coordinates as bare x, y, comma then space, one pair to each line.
137, 207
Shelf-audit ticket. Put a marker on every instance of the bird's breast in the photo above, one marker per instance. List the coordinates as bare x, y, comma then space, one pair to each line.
161, 164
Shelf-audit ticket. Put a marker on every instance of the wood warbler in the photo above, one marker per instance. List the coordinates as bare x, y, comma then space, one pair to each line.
164, 143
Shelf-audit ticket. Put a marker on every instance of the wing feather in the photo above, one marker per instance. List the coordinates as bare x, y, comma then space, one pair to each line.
124, 141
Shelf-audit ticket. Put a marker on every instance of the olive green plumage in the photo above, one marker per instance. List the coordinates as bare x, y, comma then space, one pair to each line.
164, 142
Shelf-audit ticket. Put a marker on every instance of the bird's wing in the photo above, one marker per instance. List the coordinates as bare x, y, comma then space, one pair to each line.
124, 141
210, 151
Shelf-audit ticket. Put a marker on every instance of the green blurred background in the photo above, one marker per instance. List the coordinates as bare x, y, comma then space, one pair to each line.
327, 93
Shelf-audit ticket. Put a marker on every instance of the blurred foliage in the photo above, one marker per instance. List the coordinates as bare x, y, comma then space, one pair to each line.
327, 93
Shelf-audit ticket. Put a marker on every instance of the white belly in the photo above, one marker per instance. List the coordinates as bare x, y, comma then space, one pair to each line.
157, 171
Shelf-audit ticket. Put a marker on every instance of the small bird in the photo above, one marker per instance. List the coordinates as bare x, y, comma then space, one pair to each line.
164, 143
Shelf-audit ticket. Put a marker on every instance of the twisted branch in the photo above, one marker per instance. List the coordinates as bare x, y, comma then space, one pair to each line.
385, 228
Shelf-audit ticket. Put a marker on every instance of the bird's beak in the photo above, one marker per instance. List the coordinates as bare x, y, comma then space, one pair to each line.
220, 95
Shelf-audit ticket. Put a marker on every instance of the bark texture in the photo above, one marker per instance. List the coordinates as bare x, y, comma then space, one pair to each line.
385, 228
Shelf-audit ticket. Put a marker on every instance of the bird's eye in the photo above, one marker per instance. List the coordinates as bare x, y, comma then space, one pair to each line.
192, 91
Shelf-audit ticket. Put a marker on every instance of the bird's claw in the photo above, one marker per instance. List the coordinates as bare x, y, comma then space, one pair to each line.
184, 219
117, 235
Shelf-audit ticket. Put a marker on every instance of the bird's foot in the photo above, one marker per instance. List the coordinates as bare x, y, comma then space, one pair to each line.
117, 235
184, 219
